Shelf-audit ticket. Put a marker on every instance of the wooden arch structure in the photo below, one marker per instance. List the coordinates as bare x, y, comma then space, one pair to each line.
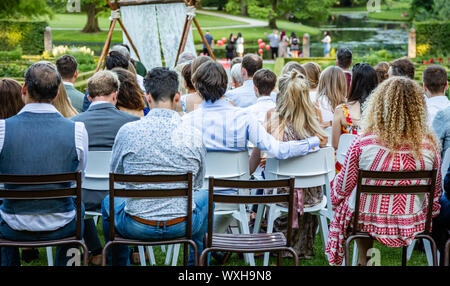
115, 7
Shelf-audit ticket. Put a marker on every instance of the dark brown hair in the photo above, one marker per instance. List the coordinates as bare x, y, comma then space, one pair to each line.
382, 70
210, 81
67, 66
186, 72
198, 62
435, 78
130, 94
252, 63
403, 67
10, 98
265, 81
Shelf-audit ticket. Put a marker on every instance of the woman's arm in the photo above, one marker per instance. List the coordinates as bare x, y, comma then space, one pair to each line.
255, 159
336, 128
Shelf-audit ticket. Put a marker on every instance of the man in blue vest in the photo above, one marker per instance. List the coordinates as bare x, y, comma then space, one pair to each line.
37, 141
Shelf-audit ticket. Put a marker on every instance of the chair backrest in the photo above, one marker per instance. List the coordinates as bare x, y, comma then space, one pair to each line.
445, 165
31, 193
96, 175
215, 197
151, 193
226, 165
344, 143
428, 176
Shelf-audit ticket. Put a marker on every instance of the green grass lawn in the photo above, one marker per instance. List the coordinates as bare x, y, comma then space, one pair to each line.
389, 256
391, 12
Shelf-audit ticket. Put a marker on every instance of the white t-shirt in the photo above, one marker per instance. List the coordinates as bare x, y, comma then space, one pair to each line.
325, 109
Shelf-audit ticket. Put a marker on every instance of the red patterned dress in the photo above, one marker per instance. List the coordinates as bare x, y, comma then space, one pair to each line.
392, 220
350, 128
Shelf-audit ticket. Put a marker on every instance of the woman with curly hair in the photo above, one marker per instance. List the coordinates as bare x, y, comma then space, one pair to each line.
394, 137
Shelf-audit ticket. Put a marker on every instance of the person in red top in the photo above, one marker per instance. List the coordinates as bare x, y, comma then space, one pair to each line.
344, 61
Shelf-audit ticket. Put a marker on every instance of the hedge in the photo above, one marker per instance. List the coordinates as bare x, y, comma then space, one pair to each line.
436, 34
323, 62
27, 34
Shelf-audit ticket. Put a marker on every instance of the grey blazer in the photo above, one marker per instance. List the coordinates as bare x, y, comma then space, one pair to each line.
76, 97
102, 122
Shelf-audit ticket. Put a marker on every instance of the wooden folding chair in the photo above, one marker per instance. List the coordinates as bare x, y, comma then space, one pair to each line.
249, 243
46, 194
116, 238
428, 176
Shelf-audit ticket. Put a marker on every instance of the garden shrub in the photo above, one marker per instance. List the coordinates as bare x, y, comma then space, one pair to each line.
27, 34
436, 34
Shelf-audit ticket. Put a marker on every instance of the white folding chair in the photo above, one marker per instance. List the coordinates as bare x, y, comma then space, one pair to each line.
312, 170
344, 143
329, 130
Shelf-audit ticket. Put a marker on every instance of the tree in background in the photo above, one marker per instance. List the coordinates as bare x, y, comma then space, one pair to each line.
92, 9
17, 9
423, 10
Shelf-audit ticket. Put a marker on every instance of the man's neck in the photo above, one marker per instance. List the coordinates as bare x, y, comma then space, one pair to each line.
430, 95
71, 80
163, 105
103, 99
262, 95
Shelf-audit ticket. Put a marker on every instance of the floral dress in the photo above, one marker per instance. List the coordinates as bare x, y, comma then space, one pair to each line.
349, 128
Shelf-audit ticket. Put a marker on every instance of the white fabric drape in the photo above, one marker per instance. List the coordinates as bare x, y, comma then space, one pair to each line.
153, 28
140, 22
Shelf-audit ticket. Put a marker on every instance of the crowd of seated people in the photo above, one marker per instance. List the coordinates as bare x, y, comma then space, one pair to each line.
165, 121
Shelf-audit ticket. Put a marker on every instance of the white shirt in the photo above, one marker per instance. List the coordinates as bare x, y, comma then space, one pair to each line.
261, 107
325, 109
313, 96
140, 81
47, 222
245, 95
434, 105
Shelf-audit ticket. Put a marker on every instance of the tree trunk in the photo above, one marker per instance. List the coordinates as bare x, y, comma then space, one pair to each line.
273, 16
92, 20
244, 10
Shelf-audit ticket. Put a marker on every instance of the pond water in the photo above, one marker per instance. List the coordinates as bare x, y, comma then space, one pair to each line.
363, 35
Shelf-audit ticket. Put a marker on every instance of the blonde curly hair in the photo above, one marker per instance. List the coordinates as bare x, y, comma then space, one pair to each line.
397, 114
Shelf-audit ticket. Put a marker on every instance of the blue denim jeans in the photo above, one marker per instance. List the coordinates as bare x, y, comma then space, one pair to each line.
10, 255
444, 215
129, 228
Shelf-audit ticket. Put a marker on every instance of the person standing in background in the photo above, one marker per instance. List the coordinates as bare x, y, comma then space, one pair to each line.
294, 41
231, 47
326, 44
283, 46
210, 40
274, 39
240, 45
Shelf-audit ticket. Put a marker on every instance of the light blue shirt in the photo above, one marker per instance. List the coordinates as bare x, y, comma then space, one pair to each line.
245, 95
441, 125
228, 128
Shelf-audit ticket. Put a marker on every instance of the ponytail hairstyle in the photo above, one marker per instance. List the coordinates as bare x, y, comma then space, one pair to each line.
294, 107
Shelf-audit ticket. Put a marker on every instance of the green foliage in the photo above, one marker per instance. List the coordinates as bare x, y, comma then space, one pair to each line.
431, 10
233, 7
436, 34
313, 10
16, 9
11, 55
376, 57
14, 69
28, 34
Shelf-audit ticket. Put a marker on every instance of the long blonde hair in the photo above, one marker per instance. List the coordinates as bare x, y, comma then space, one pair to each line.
294, 107
62, 103
333, 85
396, 113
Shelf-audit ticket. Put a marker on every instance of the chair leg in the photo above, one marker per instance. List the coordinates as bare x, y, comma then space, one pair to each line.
347, 250
355, 254
433, 248
294, 255
176, 252
142, 255
280, 258
168, 254
411, 249
270, 221
204, 256
49, 255
428, 252
186, 253
324, 230
104, 251
151, 256
243, 225
404, 254
447, 253
258, 219
86, 254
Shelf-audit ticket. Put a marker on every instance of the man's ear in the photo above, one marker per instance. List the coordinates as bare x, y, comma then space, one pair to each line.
75, 75
24, 93
149, 98
89, 98
244, 72
177, 97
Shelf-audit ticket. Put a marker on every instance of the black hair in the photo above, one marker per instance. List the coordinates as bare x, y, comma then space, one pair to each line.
42, 81
161, 83
210, 81
116, 60
67, 66
344, 57
364, 81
